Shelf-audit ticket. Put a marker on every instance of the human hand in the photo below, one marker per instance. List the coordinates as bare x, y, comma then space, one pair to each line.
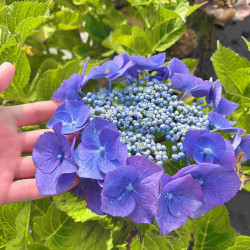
17, 173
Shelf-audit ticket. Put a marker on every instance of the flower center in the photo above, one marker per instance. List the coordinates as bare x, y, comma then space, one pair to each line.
200, 181
101, 150
59, 157
107, 71
129, 187
208, 151
169, 196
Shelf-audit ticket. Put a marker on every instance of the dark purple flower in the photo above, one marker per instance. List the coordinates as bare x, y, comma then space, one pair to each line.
75, 83
207, 147
53, 157
220, 122
72, 114
100, 150
132, 190
91, 191
218, 185
187, 83
178, 199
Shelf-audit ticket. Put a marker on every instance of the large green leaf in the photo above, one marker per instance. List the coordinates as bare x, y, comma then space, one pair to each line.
226, 63
54, 228
241, 242
213, 230
176, 240
23, 237
75, 206
53, 78
8, 214
12, 15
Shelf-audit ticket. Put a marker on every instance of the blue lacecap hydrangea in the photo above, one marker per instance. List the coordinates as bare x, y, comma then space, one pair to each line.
125, 138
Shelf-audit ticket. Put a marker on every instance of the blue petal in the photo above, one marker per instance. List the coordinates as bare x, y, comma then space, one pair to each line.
220, 121
216, 95
110, 140
202, 89
166, 222
245, 146
184, 82
201, 210
228, 159
91, 192
190, 141
226, 107
87, 160
165, 179
177, 66
237, 138
72, 95
186, 195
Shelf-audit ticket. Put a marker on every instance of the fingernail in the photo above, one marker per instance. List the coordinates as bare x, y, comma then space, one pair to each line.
6, 65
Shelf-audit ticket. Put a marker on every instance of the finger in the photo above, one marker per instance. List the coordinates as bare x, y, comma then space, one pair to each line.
33, 113
26, 169
28, 139
25, 190
7, 72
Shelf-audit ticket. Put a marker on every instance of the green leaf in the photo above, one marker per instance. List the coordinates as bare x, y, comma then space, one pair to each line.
39, 208
247, 43
68, 20
8, 214
75, 206
213, 230
21, 77
190, 63
23, 237
95, 28
194, 8
241, 242
54, 228
26, 27
226, 63
53, 78
12, 15
176, 240
6, 38
171, 167
91, 236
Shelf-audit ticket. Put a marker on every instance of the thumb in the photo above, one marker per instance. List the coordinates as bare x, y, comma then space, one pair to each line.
7, 71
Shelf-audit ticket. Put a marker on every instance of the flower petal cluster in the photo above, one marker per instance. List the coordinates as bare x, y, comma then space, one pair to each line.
100, 150
53, 156
68, 115
132, 190
207, 147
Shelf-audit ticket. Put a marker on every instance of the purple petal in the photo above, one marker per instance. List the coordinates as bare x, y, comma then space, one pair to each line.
110, 140
87, 160
166, 222
190, 141
220, 121
186, 195
72, 95
237, 138
165, 179
184, 82
216, 95
245, 146
177, 66
91, 192
202, 89
227, 159
201, 210
226, 107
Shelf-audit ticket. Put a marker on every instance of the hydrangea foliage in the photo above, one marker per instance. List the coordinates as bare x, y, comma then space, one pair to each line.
126, 137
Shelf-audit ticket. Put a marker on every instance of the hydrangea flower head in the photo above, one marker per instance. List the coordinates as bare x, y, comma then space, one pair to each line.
178, 199
75, 83
54, 159
72, 114
207, 147
132, 190
100, 150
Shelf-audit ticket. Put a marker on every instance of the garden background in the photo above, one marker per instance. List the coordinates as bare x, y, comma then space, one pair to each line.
48, 41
